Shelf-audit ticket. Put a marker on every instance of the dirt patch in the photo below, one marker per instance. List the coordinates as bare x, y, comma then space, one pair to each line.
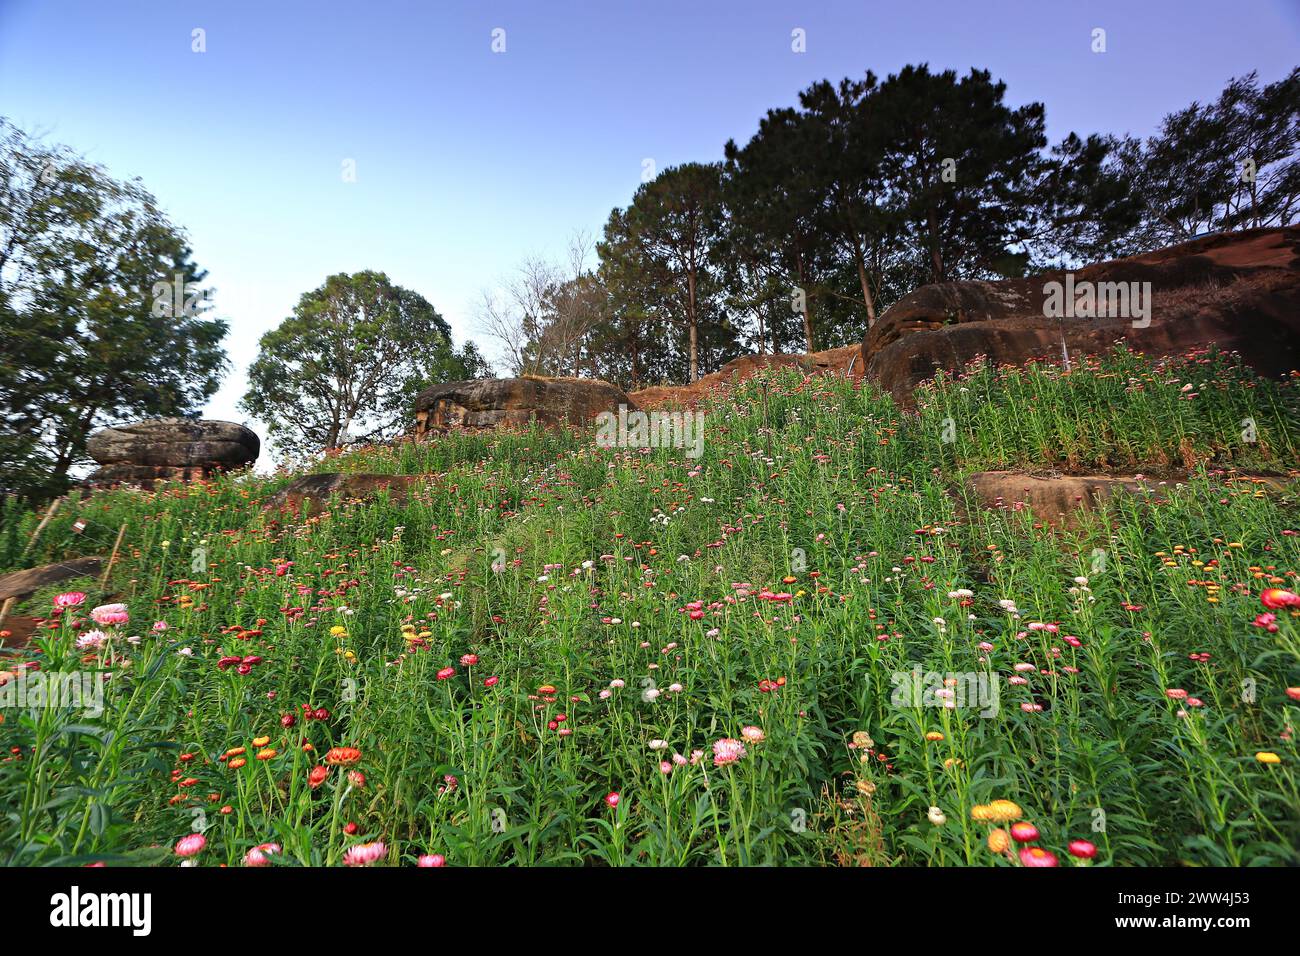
16, 632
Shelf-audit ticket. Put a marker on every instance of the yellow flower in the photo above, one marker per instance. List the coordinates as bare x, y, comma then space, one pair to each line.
266, 754
933, 736
261, 741
1267, 756
999, 840
338, 630
999, 811
865, 787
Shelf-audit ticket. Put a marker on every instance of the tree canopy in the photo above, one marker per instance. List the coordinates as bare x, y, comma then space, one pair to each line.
345, 367
103, 313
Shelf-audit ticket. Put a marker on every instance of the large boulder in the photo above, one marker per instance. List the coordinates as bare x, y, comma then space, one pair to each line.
169, 448
1240, 291
496, 402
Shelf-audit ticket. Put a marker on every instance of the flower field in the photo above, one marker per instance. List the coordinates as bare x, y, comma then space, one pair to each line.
807, 646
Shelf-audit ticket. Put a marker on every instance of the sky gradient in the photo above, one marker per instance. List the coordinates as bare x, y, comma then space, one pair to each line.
467, 161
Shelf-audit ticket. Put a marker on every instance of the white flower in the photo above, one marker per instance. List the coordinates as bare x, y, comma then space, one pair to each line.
658, 744
936, 817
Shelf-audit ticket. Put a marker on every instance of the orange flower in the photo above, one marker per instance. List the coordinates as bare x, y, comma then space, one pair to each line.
342, 756
237, 763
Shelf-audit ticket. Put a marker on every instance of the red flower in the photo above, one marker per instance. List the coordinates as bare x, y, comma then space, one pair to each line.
317, 776
446, 672
1082, 849
491, 681
342, 756
1024, 832
612, 798
1275, 599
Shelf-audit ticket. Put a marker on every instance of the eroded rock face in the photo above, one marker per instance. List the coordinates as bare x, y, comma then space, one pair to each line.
1238, 290
496, 402
169, 448
19, 584
1057, 501
313, 492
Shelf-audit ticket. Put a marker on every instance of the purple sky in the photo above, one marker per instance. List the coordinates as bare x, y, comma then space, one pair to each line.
468, 160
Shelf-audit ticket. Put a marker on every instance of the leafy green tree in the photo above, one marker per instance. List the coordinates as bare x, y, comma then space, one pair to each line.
776, 204
1230, 164
345, 367
102, 312
959, 166
671, 227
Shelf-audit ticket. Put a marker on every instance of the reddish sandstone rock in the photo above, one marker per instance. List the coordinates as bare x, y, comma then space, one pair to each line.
846, 360
1239, 291
496, 402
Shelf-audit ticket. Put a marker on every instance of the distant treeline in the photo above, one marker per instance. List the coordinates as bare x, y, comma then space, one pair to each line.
801, 237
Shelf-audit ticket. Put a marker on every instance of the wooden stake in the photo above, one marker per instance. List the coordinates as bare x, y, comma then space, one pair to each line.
49, 513
4, 611
112, 557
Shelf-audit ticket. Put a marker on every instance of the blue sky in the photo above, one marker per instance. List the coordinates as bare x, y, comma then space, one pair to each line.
467, 161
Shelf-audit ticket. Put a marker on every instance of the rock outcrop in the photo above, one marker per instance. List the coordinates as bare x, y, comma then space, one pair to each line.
1239, 291
844, 360
169, 448
495, 402
19, 584
302, 492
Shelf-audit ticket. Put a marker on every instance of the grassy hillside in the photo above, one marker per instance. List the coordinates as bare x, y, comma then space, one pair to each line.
727, 643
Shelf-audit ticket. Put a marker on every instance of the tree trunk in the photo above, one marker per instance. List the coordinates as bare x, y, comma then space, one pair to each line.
694, 326
866, 286
936, 257
807, 305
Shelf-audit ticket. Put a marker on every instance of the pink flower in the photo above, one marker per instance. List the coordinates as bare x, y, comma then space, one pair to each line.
446, 672
727, 750
753, 734
363, 854
260, 854
431, 859
468, 660
69, 599
612, 798
1036, 856
109, 614
91, 640
191, 845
